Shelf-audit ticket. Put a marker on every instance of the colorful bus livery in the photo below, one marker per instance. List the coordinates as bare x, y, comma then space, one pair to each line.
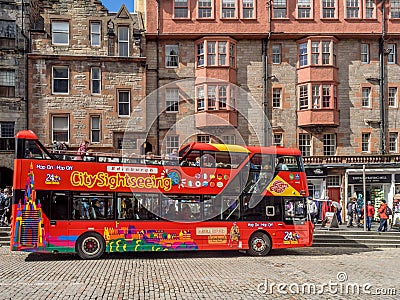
214, 197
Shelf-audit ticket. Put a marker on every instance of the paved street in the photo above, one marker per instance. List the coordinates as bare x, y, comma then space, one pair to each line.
301, 273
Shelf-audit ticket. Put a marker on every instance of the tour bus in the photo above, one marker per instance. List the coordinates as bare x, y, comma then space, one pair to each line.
209, 197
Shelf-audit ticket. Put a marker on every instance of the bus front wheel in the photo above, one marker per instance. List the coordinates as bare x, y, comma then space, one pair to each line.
90, 245
259, 244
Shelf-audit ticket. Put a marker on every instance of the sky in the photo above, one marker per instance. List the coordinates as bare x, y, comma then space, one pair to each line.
115, 5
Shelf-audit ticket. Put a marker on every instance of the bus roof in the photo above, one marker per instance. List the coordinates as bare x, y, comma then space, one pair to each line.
27, 134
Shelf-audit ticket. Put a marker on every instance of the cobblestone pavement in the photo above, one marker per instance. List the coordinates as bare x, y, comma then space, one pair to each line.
336, 272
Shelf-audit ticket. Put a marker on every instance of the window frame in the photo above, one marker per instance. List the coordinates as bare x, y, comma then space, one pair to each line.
304, 8
171, 143
53, 79
366, 93
61, 130
277, 139
226, 6
303, 97
280, 9
303, 54
353, 9
393, 142
248, 6
366, 142
172, 104
276, 97
119, 92
184, 6
276, 54
95, 80
60, 32
305, 144
95, 34
171, 59
364, 53
392, 97
369, 11
331, 148
122, 43
203, 10
92, 129
395, 9
7, 83
327, 8
392, 55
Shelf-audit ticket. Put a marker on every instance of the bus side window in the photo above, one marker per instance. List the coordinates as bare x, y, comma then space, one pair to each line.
59, 206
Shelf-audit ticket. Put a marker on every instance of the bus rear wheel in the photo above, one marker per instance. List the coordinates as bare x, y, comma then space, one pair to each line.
90, 245
259, 244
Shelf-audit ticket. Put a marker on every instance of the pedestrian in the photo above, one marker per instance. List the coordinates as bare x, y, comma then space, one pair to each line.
351, 211
370, 214
338, 210
383, 217
312, 209
82, 151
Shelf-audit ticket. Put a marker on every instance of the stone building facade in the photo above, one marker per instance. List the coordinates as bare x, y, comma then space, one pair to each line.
87, 76
14, 28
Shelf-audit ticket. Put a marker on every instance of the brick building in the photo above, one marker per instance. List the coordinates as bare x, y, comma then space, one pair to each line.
14, 25
325, 73
86, 75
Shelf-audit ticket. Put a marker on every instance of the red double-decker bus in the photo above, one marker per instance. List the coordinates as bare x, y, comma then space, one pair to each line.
212, 197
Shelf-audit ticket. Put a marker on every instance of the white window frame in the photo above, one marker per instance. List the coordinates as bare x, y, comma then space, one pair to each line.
393, 142
248, 9
303, 54
54, 78
369, 9
60, 129
203, 138
94, 80
276, 54
277, 97
303, 97
392, 97
182, 6
304, 9
329, 6
305, 144
123, 44
119, 92
229, 139
280, 9
200, 98
95, 128
172, 100
95, 34
329, 144
364, 53
277, 139
366, 142
394, 9
7, 83
200, 54
353, 10
205, 9
171, 143
227, 6
366, 97
333, 181
60, 31
392, 55
171, 56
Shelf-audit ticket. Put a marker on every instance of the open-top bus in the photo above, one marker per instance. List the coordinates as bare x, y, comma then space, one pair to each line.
213, 197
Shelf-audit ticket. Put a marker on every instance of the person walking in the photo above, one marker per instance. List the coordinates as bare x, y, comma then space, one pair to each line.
351, 211
82, 151
383, 217
370, 214
312, 209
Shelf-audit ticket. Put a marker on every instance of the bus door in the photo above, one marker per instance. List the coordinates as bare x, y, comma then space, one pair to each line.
293, 230
58, 225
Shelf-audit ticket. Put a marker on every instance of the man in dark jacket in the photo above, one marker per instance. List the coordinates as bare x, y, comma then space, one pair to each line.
383, 217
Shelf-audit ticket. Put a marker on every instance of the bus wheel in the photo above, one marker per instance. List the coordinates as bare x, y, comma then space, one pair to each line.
90, 245
259, 244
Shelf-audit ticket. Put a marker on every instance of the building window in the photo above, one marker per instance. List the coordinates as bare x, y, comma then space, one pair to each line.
305, 144
278, 139
365, 53
329, 144
277, 98
200, 54
7, 83
200, 98
60, 128
303, 97
204, 8
171, 143
123, 41
222, 95
365, 142
276, 54
392, 95
393, 137
303, 9
95, 76
326, 53
333, 180
181, 9
211, 97
211, 53
366, 97
232, 56
95, 127
279, 9
328, 9
395, 9
7, 34
124, 103
326, 96
171, 56
303, 54
392, 53
95, 33
352, 9
315, 96
248, 9
222, 53
7, 141
60, 33
60, 80
228, 9
315, 53
369, 9
172, 100
229, 139
203, 138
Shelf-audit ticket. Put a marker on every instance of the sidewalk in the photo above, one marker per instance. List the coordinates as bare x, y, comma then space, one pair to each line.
343, 227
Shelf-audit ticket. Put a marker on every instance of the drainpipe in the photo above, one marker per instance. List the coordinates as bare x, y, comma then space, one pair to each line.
26, 51
382, 106
158, 77
266, 77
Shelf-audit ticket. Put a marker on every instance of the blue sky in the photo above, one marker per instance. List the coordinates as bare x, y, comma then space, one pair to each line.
115, 5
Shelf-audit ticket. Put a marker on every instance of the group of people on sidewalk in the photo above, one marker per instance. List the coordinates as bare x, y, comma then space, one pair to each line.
355, 214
